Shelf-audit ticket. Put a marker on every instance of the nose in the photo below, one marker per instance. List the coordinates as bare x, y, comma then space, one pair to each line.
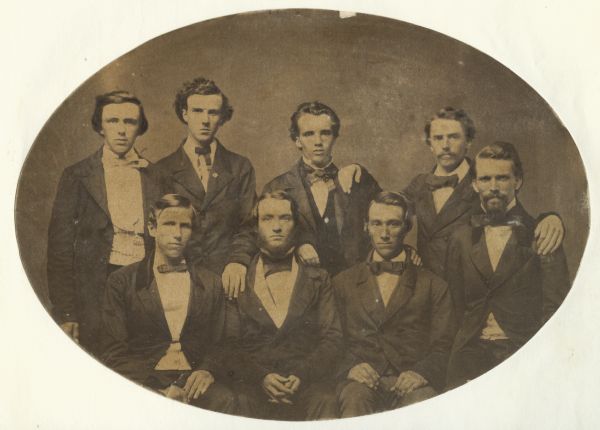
276, 227
204, 118
493, 185
445, 142
121, 128
385, 233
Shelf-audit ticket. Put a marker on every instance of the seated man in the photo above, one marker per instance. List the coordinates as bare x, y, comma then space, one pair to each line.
285, 328
397, 319
502, 289
161, 318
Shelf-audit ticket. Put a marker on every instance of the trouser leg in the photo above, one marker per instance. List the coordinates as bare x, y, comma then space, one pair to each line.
317, 402
356, 399
218, 398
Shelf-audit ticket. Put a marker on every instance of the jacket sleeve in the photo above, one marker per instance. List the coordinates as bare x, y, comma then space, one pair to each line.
62, 230
555, 281
441, 336
454, 277
116, 354
348, 359
323, 358
213, 359
244, 240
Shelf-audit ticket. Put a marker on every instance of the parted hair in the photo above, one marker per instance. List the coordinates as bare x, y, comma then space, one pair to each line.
502, 151
313, 108
392, 198
172, 201
454, 114
117, 97
203, 87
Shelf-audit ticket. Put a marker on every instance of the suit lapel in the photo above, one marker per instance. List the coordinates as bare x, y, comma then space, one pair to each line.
220, 175
368, 292
94, 182
183, 172
301, 196
147, 291
249, 301
458, 203
402, 293
479, 254
515, 255
302, 295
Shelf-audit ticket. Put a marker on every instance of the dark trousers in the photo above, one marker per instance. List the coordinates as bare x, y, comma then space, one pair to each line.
355, 398
476, 358
313, 401
218, 397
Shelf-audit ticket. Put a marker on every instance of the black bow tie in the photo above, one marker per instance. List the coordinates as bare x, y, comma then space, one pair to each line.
393, 267
167, 268
326, 175
202, 150
274, 264
496, 220
436, 182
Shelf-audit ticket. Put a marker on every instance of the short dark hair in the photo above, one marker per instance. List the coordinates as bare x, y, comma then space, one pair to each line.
392, 198
117, 97
502, 151
277, 195
314, 108
454, 114
203, 87
172, 201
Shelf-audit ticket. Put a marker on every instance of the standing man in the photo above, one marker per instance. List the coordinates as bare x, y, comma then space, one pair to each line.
444, 199
285, 328
331, 219
502, 289
397, 319
219, 183
97, 223
161, 318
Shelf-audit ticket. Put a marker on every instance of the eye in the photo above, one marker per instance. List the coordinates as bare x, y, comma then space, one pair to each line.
308, 133
131, 121
326, 132
112, 120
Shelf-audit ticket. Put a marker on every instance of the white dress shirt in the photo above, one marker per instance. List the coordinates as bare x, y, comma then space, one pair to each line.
174, 290
441, 195
275, 291
319, 189
199, 161
387, 282
125, 205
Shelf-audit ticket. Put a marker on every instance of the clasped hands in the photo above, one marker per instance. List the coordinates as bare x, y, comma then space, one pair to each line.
196, 385
279, 388
406, 382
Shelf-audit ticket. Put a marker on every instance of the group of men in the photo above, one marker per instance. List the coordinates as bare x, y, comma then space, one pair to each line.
303, 303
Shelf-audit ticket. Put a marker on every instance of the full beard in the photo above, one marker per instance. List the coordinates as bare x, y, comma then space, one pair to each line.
495, 206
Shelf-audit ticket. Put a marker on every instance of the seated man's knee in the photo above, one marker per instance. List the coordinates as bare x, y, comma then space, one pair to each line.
356, 399
218, 398
418, 395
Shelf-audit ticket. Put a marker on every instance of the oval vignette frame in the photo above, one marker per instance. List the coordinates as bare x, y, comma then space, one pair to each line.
388, 95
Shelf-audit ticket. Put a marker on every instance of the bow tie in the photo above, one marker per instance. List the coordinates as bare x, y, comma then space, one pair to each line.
482, 220
393, 267
326, 175
205, 152
435, 182
167, 268
136, 163
274, 265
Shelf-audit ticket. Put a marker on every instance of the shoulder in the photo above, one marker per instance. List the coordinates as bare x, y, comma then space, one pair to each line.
418, 181
347, 277
123, 278
167, 162
83, 167
426, 277
236, 160
207, 278
279, 182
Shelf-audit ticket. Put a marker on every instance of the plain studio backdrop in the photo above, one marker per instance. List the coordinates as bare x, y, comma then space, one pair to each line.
383, 77
49, 49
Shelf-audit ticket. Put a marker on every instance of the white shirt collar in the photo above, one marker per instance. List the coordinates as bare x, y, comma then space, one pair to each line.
461, 171
399, 257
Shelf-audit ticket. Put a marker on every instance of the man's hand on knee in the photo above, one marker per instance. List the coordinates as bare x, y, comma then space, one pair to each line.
197, 384
365, 374
408, 381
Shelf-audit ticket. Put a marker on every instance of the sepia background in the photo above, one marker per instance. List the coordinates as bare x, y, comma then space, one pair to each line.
384, 78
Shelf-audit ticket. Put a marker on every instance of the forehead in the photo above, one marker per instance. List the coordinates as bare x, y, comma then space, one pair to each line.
383, 211
121, 110
175, 214
272, 206
445, 126
308, 121
205, 101
492, 167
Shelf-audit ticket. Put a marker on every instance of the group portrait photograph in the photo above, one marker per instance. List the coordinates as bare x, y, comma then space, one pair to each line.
303, 215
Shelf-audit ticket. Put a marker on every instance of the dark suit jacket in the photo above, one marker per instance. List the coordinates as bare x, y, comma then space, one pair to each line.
225, 234
135, 333
306, 345
434, 229
414, 332
79, 243
351, 210
522, 293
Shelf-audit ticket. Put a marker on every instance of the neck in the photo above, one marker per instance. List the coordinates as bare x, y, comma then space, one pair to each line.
276, 254
160, 258
196, 142
397, 254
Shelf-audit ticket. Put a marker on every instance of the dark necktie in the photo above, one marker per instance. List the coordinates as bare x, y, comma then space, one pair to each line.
167, 268
327, 175
275, 264
393, 267
204, 151
482, 220
436, 182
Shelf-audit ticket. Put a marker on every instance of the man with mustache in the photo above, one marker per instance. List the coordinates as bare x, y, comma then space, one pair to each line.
444, 199
397, 319
285, 333
98, 221
502, 289
162, 317
330, 213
